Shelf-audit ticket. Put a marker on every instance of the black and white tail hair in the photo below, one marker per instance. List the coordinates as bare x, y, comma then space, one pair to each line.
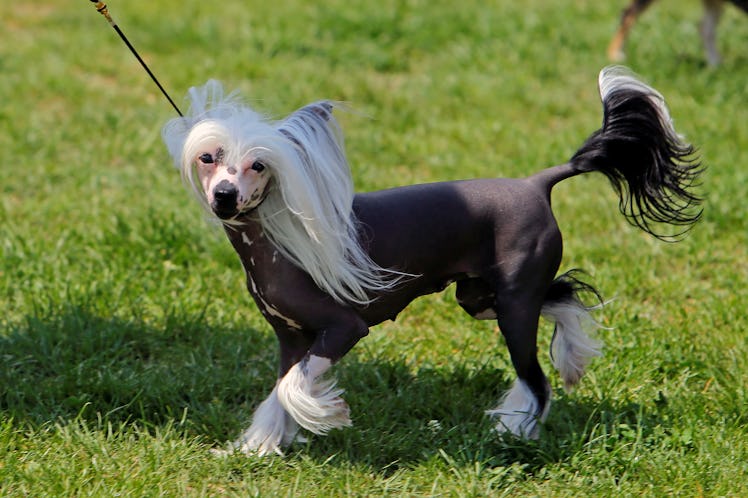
638, 150
652, 169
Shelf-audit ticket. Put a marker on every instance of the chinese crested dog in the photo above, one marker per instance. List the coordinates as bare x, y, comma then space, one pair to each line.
708, 29
324, 264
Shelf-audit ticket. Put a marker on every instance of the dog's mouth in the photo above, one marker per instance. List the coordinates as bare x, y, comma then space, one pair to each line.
225, 214
228, 211
225, 209
227, 202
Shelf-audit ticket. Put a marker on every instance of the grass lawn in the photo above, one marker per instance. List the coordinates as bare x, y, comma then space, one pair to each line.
128, 343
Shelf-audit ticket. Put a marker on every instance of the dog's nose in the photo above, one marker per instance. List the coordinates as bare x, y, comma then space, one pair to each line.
224, 199
225, 192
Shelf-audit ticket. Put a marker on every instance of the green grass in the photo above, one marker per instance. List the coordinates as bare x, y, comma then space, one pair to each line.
129, 346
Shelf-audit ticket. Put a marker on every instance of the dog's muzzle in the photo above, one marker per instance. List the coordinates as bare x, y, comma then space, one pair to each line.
224, 200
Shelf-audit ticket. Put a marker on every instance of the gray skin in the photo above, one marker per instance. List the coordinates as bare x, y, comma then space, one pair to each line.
496, 238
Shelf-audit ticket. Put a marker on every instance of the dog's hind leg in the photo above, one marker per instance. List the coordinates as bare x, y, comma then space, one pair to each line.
528, 251
571, 347
628, 18
712, 13
528, 401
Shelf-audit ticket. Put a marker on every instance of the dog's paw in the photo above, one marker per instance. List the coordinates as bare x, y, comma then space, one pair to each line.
519, 412
521, 425
312, 402
254, 442
250, 445
272, 429
222, 453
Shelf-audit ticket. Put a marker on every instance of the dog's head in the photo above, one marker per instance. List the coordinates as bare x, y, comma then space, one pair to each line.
233, 157
230, 173
291, 174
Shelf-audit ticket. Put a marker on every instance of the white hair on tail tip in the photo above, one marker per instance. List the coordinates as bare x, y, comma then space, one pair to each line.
308, 209
615, 78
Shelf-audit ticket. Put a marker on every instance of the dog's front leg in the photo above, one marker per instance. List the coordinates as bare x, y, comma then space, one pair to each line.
271, 430
301, 396
312, 401
272, 427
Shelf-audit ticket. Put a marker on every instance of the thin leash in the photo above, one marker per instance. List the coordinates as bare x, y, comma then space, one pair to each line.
104, 11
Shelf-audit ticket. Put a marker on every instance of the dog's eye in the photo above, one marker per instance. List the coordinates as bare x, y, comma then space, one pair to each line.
206, 158
258, 166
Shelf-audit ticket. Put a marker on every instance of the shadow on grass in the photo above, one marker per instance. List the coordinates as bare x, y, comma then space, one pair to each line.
75, 365
402, 419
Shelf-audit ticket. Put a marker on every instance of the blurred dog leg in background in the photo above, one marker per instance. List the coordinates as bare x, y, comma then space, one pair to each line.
712, 12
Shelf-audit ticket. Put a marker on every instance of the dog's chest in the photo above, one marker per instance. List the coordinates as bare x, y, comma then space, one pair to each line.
266, 271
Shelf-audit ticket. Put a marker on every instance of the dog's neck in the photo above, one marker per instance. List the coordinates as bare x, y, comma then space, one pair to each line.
248, 226
256, 252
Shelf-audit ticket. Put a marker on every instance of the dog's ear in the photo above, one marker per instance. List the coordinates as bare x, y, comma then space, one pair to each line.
317, 111
312, 119
323, 109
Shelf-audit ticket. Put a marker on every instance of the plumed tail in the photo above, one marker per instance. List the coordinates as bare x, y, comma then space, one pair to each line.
649, 165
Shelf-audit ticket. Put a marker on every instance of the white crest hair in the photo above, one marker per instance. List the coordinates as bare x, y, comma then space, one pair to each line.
307, 212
